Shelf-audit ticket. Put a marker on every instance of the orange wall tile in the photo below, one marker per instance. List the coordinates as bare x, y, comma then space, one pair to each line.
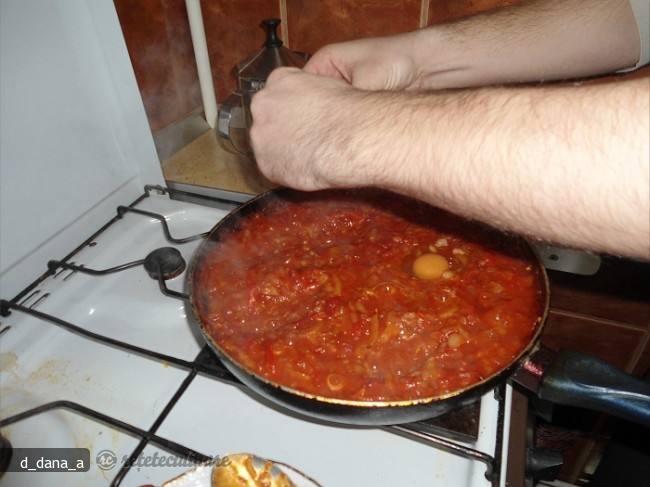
593, 337
312, 25
233, 32
444, 10
158, 39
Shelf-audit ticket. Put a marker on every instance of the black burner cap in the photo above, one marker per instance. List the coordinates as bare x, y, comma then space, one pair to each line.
166, 260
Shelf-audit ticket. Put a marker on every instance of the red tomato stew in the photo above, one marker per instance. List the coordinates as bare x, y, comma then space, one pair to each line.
367, 296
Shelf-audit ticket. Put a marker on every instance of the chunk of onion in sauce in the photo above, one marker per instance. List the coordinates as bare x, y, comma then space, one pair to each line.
430, 266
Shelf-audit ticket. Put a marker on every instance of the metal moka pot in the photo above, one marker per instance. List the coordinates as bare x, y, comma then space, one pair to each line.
234, 114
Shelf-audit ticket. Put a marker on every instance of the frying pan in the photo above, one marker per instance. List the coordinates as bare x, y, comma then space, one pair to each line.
566, 377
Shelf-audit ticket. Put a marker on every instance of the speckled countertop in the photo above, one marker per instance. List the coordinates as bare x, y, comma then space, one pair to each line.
203, 162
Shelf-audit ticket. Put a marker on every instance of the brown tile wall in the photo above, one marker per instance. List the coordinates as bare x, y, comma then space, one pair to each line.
157, 36
312, 25
607, 315
440, 11
159, 43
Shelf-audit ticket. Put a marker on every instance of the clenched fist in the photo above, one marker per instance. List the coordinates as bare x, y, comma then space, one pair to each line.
303, 125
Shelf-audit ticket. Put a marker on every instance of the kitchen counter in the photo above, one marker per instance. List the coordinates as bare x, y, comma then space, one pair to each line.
203, 162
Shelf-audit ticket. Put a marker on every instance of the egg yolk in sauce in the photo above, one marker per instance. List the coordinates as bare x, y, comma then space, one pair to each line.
430, 266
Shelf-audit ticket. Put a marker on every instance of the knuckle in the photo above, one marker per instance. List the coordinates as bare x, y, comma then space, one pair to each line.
257, 103
279, 74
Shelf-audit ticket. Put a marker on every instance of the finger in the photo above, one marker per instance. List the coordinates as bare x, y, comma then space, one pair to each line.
323, 64
280, 73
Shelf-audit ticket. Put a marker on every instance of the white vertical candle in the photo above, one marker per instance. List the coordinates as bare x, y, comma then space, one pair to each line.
202, 60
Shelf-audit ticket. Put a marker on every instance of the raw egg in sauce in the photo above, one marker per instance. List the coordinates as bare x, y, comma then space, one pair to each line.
430, 266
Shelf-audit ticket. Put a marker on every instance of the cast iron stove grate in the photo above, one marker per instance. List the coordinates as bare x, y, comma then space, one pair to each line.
445, 432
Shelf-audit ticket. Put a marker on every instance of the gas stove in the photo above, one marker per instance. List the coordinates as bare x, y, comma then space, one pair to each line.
102, 353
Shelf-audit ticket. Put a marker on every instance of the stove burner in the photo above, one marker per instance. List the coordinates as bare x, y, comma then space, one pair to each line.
165, 260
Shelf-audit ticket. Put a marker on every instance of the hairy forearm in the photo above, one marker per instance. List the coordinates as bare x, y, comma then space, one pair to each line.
568, 164
562, 163
532, 41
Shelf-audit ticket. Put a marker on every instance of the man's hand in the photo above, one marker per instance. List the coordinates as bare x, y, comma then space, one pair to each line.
301, 123
369, 64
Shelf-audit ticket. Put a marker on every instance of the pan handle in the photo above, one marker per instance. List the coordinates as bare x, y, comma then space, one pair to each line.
576, 379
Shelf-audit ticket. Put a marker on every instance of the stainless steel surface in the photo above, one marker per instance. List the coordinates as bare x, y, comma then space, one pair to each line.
569, 260
175, 137
234, 115
231, 127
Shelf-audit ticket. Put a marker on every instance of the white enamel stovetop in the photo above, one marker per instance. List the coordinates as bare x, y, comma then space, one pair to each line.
41, 362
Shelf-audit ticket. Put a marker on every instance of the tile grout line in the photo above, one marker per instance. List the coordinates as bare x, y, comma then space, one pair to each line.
606, 321
424, 13
284, 24
636, 356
